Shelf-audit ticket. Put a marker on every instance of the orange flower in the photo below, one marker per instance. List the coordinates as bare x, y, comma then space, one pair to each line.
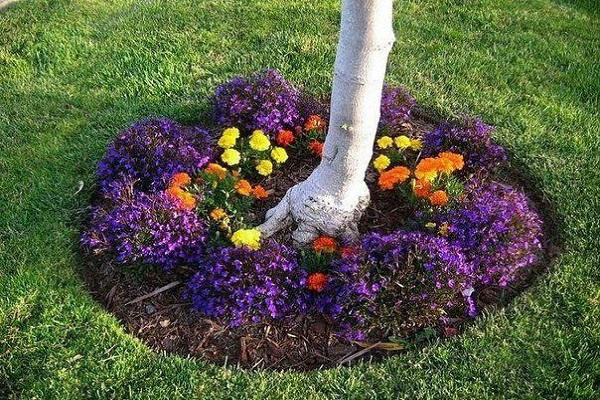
284, 138
349, 251
259, 192
325, 244
180, 179
243, 187
314, 122
218, 214
317, 281
392, 177
445, 165
438, 198
216, 169
427, 169
422, 188
316, 147
456, 159
186, 200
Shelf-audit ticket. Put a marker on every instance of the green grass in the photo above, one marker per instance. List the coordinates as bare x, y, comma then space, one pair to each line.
72, 73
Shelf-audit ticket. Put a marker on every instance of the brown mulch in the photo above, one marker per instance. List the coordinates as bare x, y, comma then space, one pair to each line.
166, 322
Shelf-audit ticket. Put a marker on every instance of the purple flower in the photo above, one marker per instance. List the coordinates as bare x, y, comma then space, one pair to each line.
498, 231
396, 107
150, 152
262, 101
473, 140
147, 229
241, 285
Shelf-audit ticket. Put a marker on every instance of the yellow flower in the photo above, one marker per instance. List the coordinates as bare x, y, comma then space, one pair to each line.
416, 144
233, 132
444, 229
259, 141
264, 167
228, 138
430, 225
384, 142
218, 214
279, 154
381, 162
231, 157
246, 237
402, 142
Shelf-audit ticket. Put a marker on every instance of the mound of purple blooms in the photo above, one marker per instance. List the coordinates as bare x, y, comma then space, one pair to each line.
398, 284
262, 101
472, 139
146, 229
240, 285
151, 151
497, 230
396, 108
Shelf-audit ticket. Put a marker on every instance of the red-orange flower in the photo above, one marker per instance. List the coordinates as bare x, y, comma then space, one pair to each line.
180, 179
314, 122
259, 192
243, 187
392, 177
438, 198
349, 251
325, 244
217, 170
284, 138
456, 159
316, 147
422, 188
186, 200
317, 281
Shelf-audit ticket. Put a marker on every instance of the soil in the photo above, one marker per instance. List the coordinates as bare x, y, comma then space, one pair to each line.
166, 322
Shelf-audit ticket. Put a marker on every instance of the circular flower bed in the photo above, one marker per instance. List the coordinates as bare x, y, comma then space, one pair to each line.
176, 209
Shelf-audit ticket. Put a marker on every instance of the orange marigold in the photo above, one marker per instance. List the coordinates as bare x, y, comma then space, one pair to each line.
427, 169
218, 214
316, 147
317, 281
438, 198
243, 187
456, 159
284, 138
325, 244
180, 179
217, 170
314, 122
422, 188
259, 192
392, 177
186, 200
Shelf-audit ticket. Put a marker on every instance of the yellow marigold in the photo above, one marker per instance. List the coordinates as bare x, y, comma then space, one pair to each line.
264, 167
279, 155
384, 142
259, 141
218, 214
456, 159
381, 162
228, 138
402, 142
246, 237
243, 187
231, 157
416, 144
233, 132
216, 169
427, 169
444, 229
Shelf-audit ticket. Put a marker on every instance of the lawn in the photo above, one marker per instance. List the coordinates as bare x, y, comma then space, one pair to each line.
72, 73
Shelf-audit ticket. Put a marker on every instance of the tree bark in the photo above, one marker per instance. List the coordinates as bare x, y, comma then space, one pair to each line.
332, 199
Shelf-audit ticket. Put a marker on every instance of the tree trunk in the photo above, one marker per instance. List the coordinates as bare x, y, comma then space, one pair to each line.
332, 199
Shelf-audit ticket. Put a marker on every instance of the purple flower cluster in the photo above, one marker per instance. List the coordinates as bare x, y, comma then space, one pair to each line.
498, 231
240, 285
472, 139
151, 151
140, 228
396, 107
398, 283
262, 101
